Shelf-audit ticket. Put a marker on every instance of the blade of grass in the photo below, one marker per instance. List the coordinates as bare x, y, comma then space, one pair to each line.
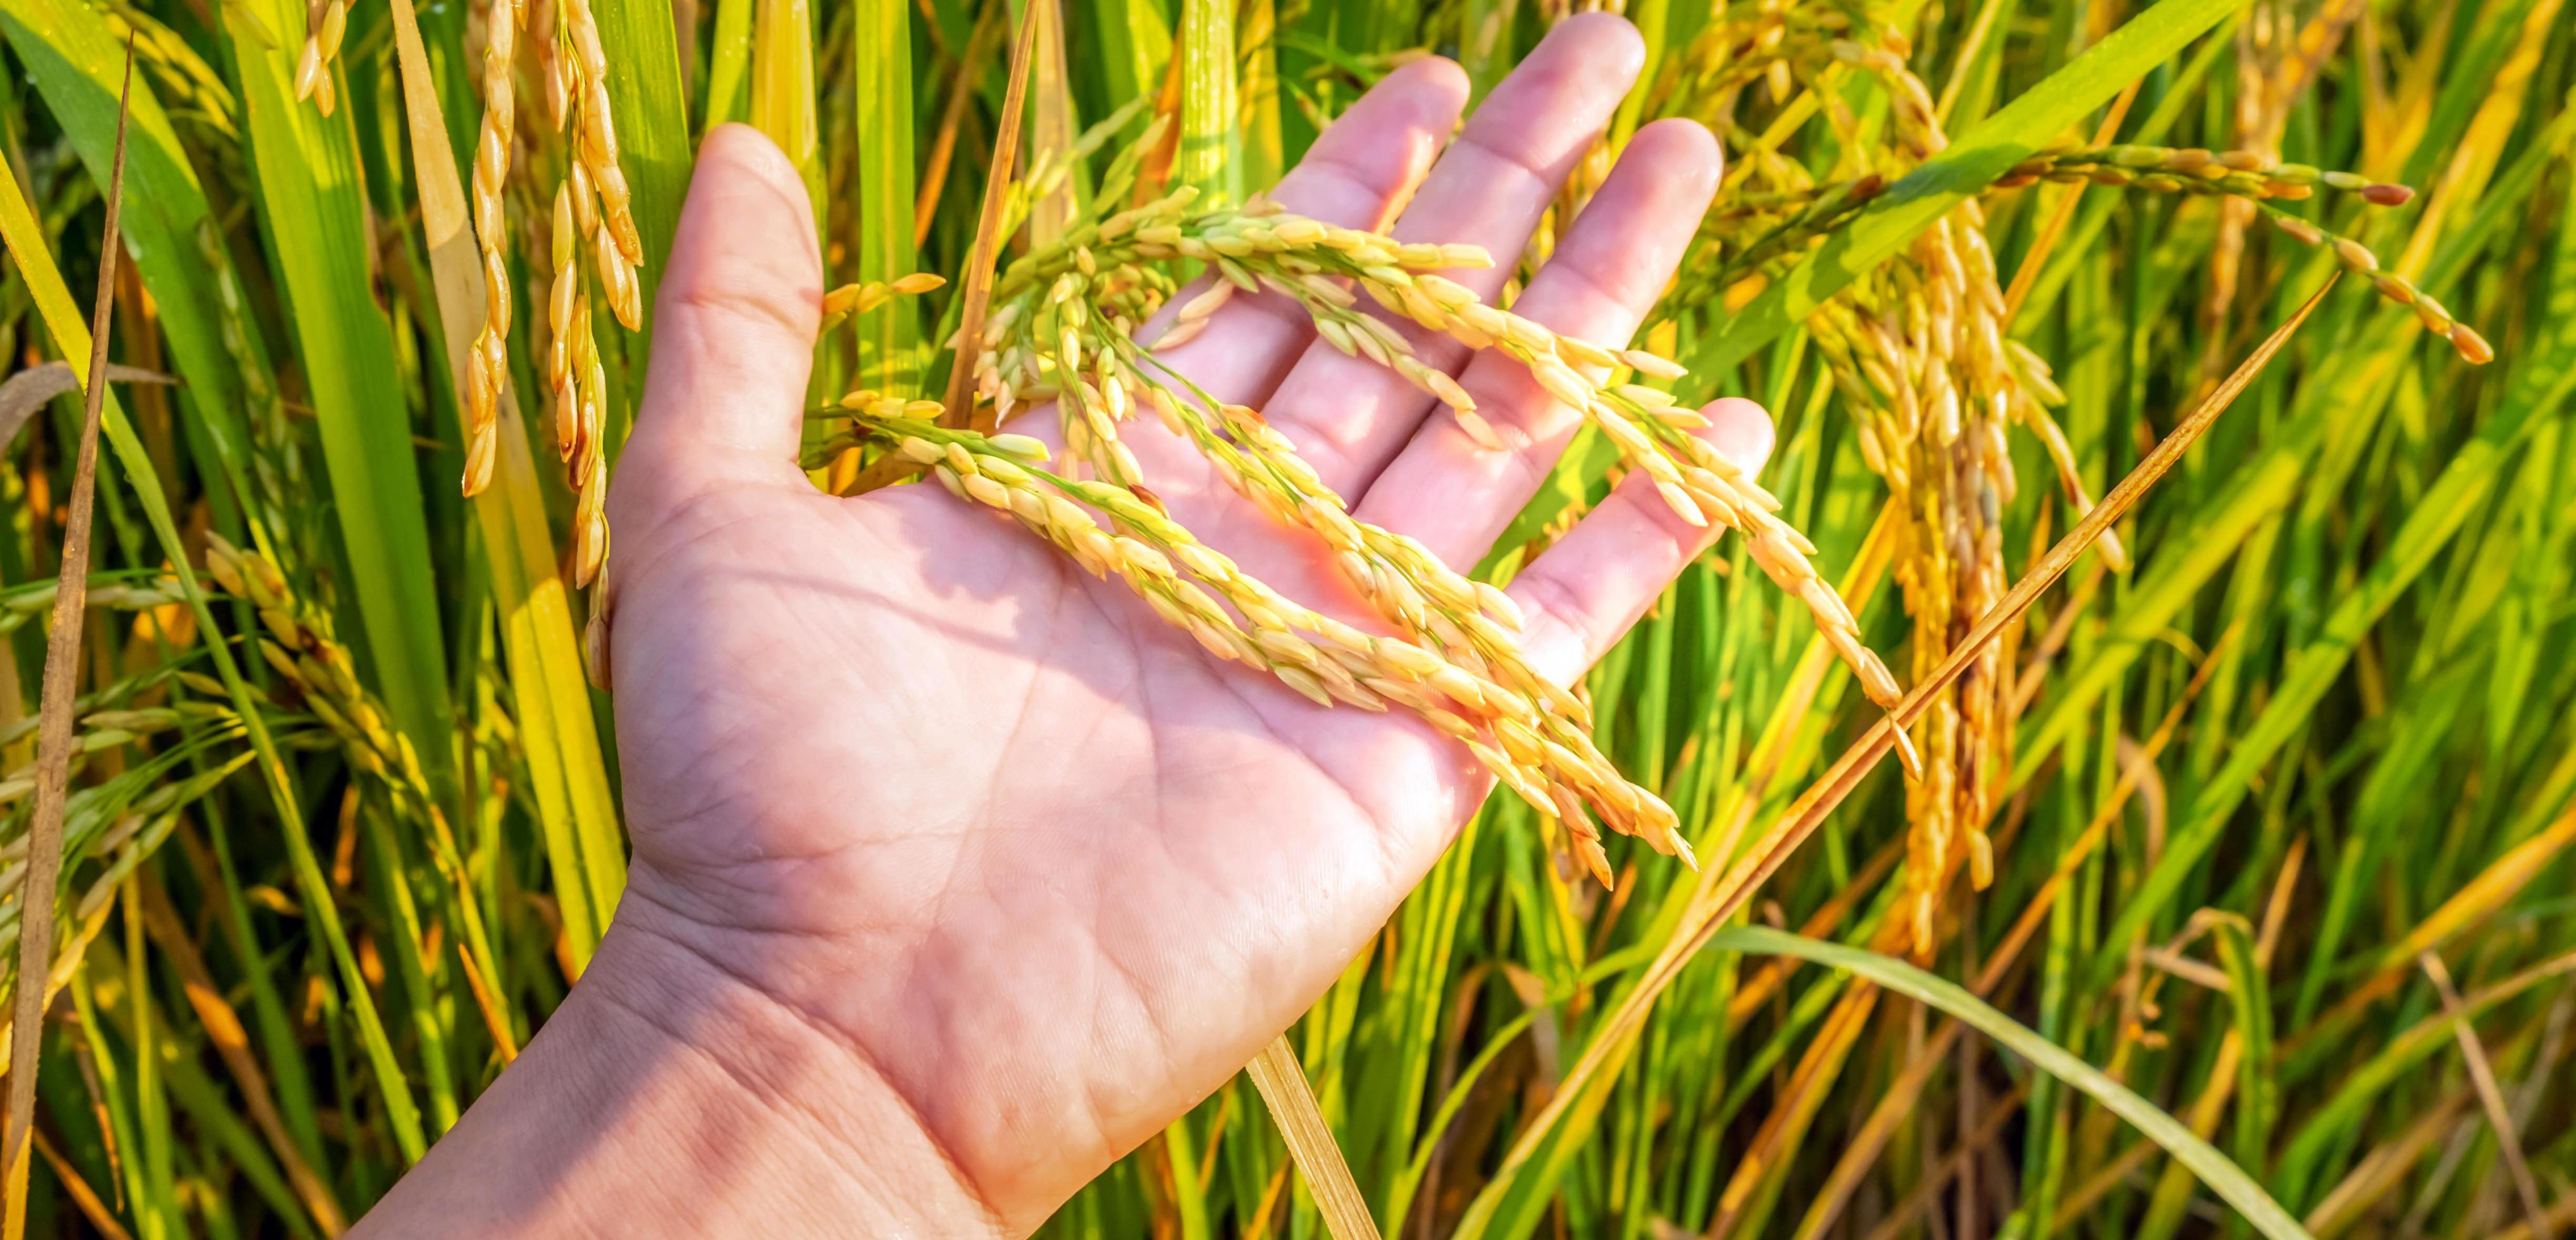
1485, 43
223, 1027
2223, 1177
1409, 1180
2249, 994
208, 1108
74, 59
1261, 154
1053, 127
782, 90
1211, 132
2479, 898
881, 64
389, 875
1136, 40
2316, 667
2035, 258
277, 1034
1189, 1195
2544, 382
92, 1208
2386, 1069
54, 728
656, 148
2350, 387
313, 210
729, 64
952, 120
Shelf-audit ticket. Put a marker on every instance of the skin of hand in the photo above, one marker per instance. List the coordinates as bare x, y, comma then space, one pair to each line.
957, 873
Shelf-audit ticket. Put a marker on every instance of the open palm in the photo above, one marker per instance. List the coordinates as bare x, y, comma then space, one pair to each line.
1026, 851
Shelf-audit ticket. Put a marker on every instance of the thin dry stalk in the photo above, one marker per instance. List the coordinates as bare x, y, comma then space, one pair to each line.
91, 1206
978, 292
1282, 1082
1728, 891
1809, 812
1863, 1148
1952, 1166
2490, 1096
54, 732
952, 120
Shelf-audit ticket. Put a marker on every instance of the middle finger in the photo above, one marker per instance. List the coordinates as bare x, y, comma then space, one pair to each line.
1349, 415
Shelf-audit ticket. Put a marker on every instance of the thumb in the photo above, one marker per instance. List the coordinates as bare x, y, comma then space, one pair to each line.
733, 329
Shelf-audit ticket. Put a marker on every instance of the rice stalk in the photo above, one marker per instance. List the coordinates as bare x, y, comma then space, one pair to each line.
2490, 1096
44, 859
1728, 890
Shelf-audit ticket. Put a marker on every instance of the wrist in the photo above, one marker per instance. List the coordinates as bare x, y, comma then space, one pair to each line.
670, 1096
803, 1106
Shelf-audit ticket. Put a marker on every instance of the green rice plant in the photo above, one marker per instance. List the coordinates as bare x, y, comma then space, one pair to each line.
2238, 807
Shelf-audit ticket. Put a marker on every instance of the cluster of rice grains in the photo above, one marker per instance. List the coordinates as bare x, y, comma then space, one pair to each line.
587, 213
1063, 329
326, 22
1918, 348
316, 670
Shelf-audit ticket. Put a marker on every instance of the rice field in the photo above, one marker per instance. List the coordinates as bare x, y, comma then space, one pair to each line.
2114, 778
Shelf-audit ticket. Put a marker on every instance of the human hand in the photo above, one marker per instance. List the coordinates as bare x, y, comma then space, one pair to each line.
962, 868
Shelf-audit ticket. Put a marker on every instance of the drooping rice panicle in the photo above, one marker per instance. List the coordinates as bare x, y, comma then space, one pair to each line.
1063, 329
593, 213
1541, 753
1918, 348
606, 211
580, 391
487, 371
2188, 170
2358, 259
299, 645
1307, 261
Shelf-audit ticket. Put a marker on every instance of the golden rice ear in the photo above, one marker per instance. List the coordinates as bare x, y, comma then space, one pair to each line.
1042, 336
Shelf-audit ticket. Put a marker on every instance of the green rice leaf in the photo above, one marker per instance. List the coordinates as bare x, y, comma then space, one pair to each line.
1973, 162
1211, 152
882, 91
2223, 1177
657, 149
312, 197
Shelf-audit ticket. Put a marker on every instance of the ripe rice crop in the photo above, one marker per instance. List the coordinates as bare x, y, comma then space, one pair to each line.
2218, 884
